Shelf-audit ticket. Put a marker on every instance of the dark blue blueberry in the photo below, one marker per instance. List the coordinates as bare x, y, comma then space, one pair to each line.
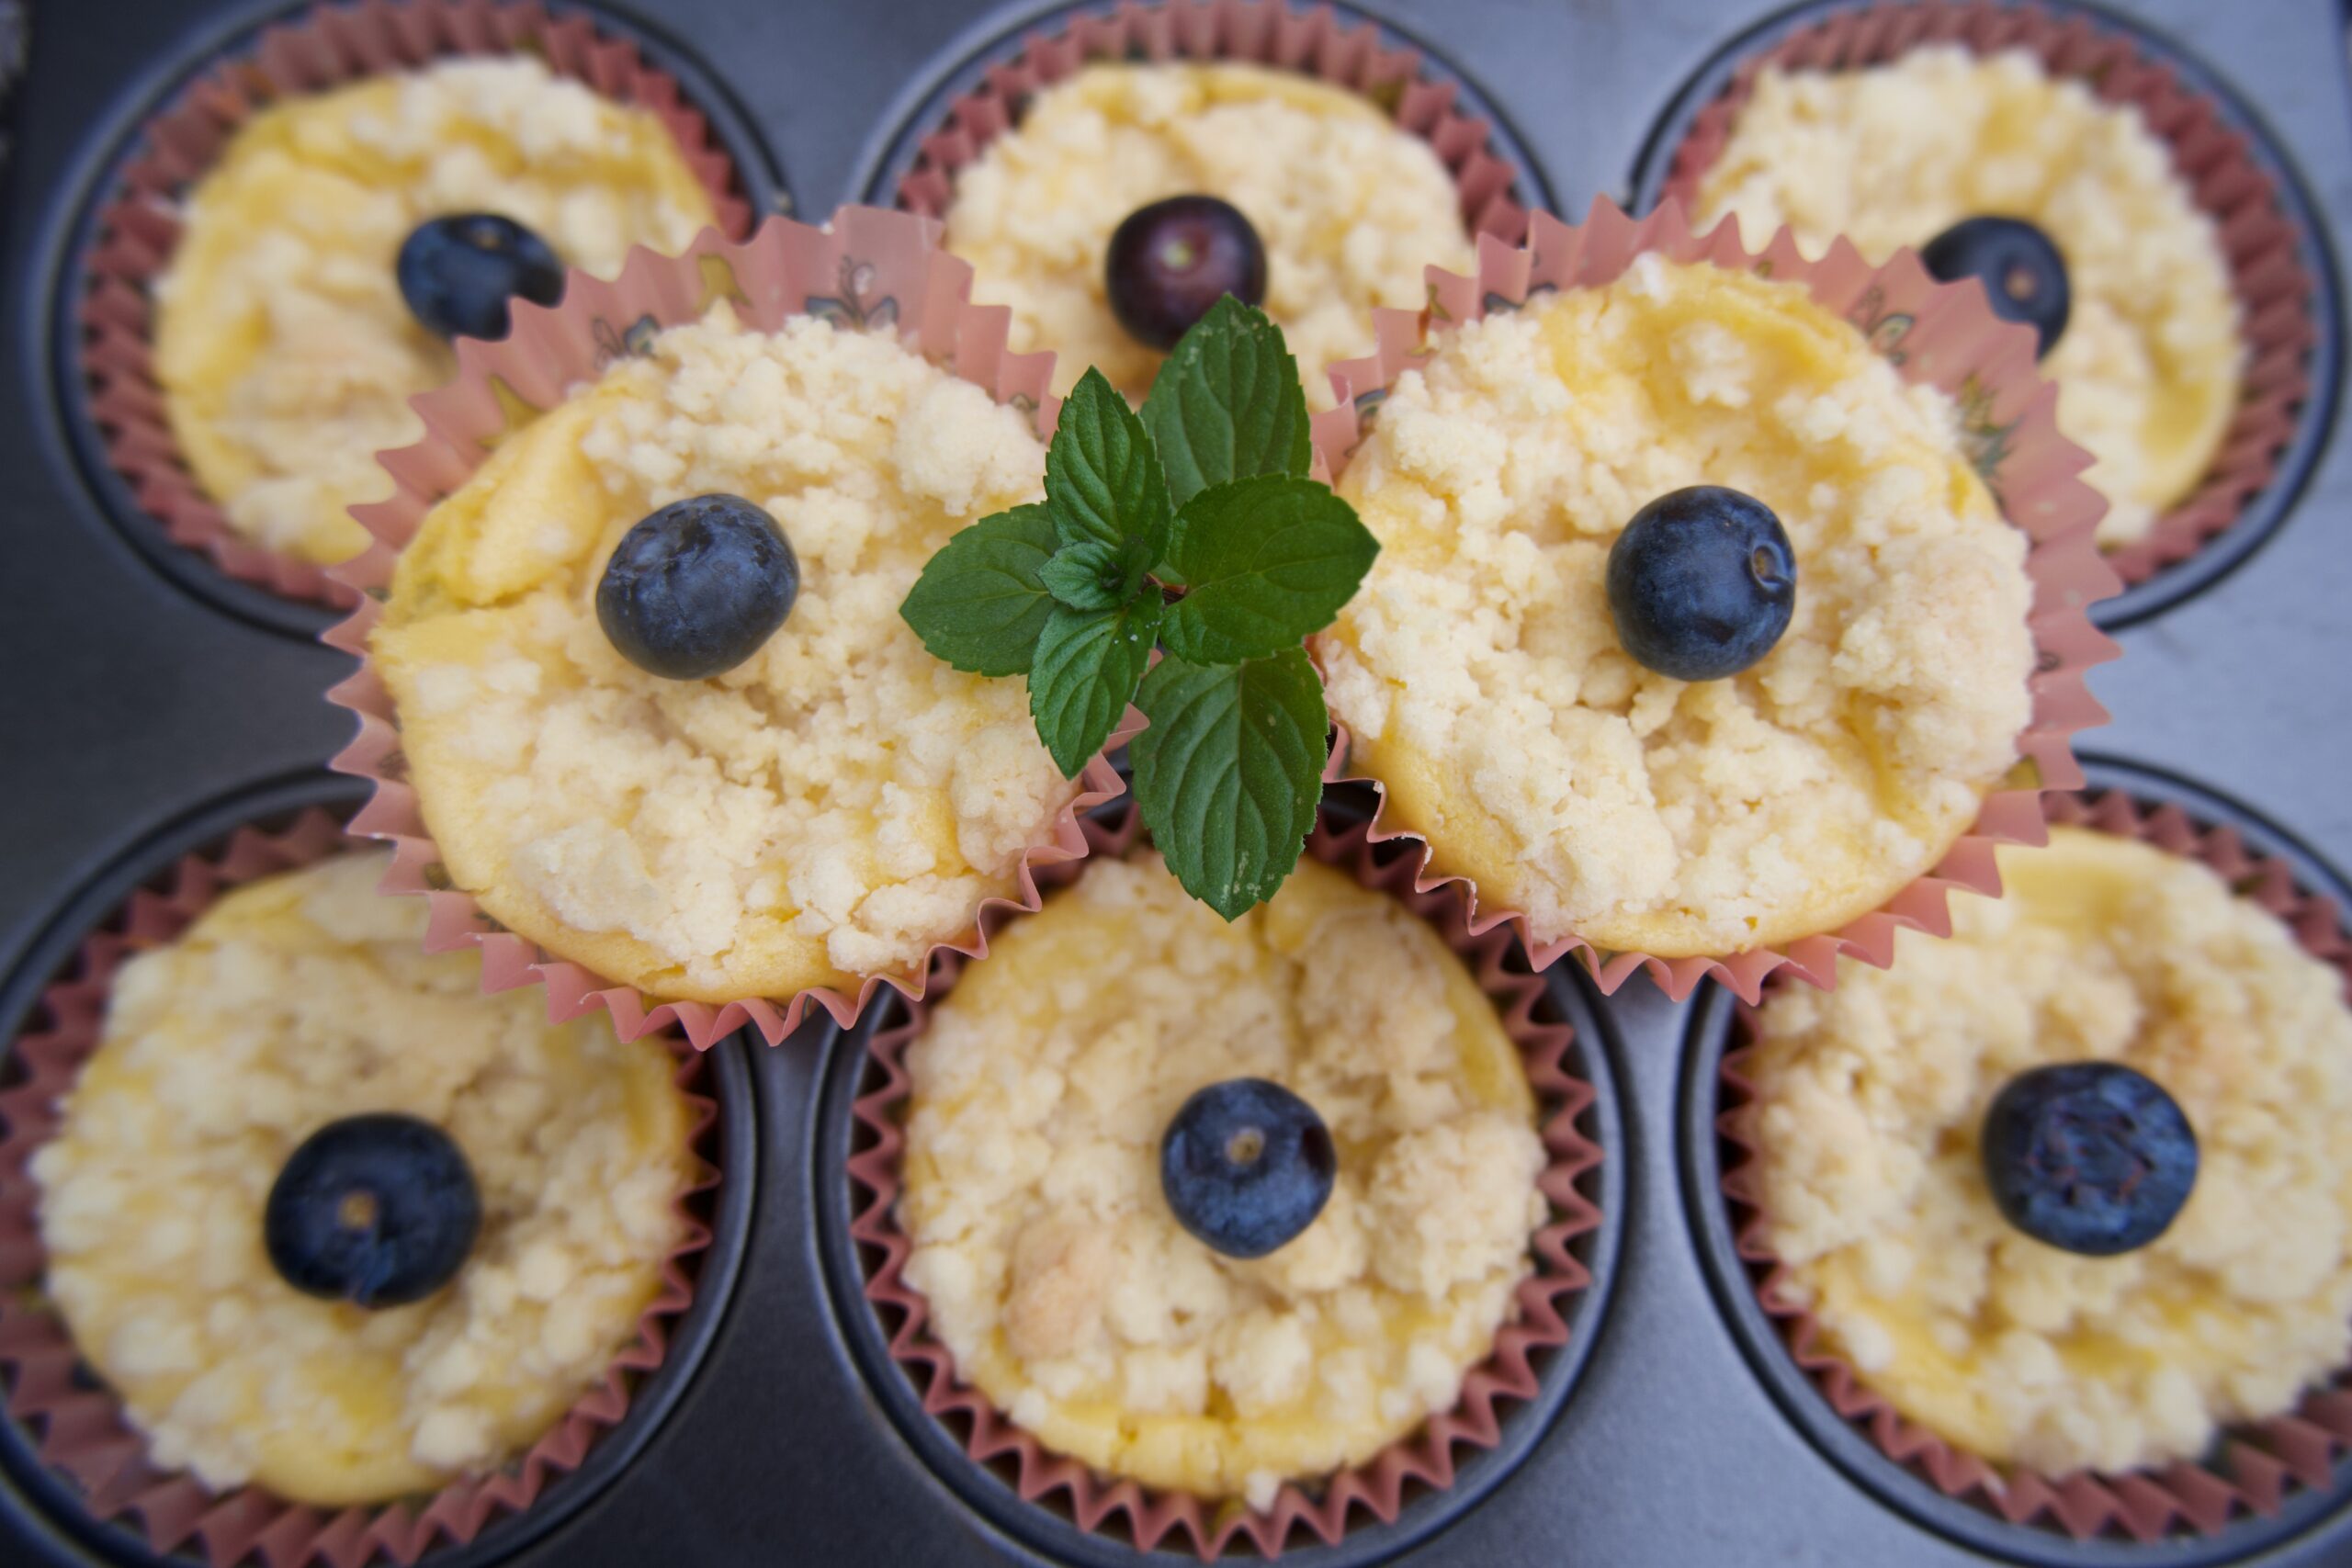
1246, 1165
1702, 583
695, 589
378, 1210
1170, 261
2023, 269
2089, 1156
458, 273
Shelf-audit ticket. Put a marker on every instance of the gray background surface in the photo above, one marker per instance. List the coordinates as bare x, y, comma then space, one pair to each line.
128, 702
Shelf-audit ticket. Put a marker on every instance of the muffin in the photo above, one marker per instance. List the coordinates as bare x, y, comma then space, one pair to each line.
1078, 1290
284, 349
822, 812
1481, 674
1892, 155
1876, 1196
1349, 206
294, 1009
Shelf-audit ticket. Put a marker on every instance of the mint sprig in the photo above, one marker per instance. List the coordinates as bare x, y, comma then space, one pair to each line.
1193, 529
1226, 405
981, 603
1230, 771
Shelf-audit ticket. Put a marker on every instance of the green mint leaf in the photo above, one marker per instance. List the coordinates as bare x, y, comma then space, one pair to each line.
980, 603
1227, 404
1270, 561
1228, 776
1089, 575
1087, 666
1102, 479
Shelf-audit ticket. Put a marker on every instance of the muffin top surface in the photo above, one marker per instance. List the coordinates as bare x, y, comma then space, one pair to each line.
1893, 156
1350, 208
286, 353
296, 1001
1482, 680
1055, 1271
827, 811
1870, 1103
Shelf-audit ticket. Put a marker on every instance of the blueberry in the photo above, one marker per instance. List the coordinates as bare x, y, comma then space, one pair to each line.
378, 1210
1702, 583
457, 273
2023, 269
1170, 261
2089, 1156
1246, 1165
695, 589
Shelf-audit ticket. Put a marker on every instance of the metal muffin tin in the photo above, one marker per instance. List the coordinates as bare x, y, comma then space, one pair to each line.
150, 704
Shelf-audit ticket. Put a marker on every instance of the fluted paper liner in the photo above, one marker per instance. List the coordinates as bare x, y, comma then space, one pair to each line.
2211, 156
81, 1428
868, 268
1317, 42
322, 48
1322, 1510
1936, 333
2254, 1468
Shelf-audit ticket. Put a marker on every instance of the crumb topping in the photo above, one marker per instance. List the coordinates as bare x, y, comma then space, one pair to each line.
1893, 156
1480, 676
1352, 208
292, 1002
1871, 1098
286, 353
828, 810
1053, 1267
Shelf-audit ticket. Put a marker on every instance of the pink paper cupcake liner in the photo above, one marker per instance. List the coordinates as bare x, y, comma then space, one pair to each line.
2275, 291
2256, 1468
82, 1430
868, 268
1303, 1513
322, 48
1940, 333
1315, 42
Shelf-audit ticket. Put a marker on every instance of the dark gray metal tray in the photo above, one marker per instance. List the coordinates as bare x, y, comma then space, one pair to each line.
140, 696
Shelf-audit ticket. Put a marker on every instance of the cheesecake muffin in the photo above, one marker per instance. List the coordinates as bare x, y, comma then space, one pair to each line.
1089, 1296
823, 804
283, 345
1484, 671
1348, 206
2149, 360
1870, 1105
295, 1010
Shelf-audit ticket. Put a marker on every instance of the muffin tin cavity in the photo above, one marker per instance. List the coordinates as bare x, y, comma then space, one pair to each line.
2282, 262
2262, 1487
1040, 1500
122, 232
64, 1450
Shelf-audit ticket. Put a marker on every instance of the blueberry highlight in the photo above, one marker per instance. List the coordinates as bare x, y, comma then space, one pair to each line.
2091, 1157
379, 1211
698, 587
1170, 261
2023, 271
458, 273
1702, 583
1246, 1165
